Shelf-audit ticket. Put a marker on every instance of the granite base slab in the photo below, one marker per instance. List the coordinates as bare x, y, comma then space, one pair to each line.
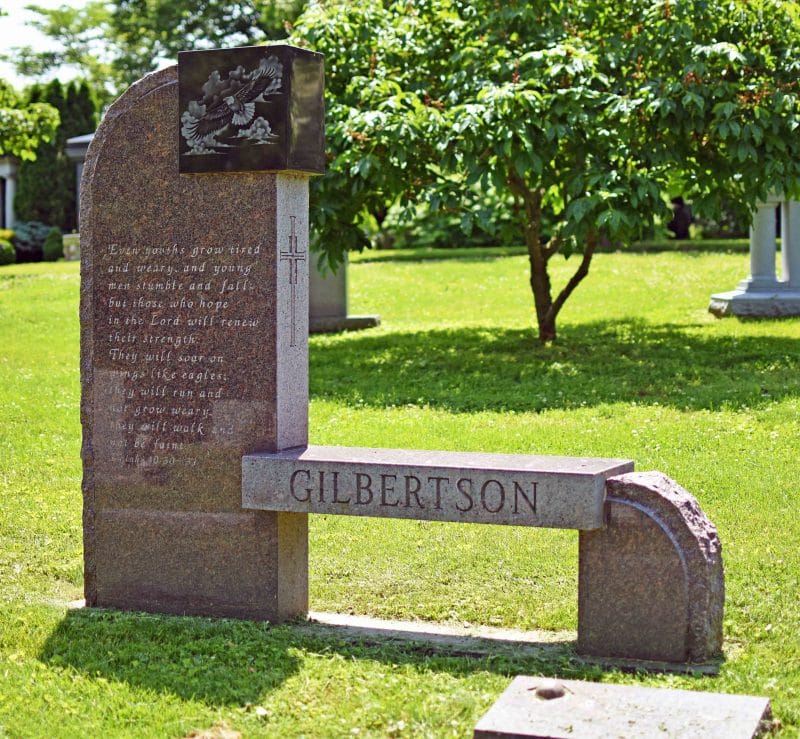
767, 304
536, 707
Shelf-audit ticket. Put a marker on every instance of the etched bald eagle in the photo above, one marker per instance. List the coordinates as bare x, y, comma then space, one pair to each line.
232, 102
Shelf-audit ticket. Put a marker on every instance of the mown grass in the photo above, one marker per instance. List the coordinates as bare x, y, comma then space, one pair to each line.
641, 371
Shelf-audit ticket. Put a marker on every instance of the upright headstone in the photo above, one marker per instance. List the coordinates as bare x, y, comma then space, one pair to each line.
194, 309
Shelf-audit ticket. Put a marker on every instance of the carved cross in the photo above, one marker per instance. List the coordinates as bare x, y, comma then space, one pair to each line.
293, 255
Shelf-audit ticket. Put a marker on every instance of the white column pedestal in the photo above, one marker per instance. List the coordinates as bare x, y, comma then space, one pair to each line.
762, 294
790, 244
762, 250
8, 172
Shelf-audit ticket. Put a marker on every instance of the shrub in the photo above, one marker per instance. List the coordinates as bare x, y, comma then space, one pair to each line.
53, 247
7, 254
7, 234
29, 238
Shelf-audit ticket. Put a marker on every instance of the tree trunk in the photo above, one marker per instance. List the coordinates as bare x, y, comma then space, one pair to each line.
539, 255
531, 200
546, 308
541, 289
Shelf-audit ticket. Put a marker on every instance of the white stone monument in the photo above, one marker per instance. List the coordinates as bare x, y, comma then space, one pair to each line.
762, 293
8, 175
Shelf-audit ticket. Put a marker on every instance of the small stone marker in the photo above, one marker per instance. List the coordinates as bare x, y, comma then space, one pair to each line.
542, 708
557, 492
194, 310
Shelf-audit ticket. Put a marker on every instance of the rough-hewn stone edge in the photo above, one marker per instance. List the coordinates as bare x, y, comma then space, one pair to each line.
125, 102
697, 544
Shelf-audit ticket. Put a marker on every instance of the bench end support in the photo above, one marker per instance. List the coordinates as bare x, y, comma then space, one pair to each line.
651, 583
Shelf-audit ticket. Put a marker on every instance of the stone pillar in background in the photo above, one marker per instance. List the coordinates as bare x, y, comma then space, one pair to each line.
194, 309
8, 172
790, 244
11, 193
763, 237
76, 150
762, 294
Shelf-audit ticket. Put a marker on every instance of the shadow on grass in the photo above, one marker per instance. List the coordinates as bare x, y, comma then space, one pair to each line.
225, 662
473, 369
217, 661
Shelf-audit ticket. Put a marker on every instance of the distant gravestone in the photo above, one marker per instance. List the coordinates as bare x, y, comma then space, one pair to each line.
327, 308
194, 310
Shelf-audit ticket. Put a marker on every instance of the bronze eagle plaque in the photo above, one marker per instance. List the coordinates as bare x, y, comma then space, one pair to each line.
253, 108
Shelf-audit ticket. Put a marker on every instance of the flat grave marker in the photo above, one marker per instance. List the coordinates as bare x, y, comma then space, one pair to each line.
541, 708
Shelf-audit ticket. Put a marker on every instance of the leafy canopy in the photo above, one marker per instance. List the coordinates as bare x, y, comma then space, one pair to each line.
584, 110
24, 126
604, 108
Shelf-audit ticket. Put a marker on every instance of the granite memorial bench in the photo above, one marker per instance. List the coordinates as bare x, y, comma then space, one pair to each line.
194, 356
650, 580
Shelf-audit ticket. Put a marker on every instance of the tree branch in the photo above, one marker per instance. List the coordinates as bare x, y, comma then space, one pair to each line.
575, 280
553, 247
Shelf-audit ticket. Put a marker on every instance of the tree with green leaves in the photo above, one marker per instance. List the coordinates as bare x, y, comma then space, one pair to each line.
585, 113
114, 44
80, 110
79, 38
23, 126
47, 187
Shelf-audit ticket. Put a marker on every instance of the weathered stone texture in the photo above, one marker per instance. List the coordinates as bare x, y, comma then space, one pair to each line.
517, 489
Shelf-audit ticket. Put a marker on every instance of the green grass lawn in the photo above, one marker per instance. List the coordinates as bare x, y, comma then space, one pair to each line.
641, 371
